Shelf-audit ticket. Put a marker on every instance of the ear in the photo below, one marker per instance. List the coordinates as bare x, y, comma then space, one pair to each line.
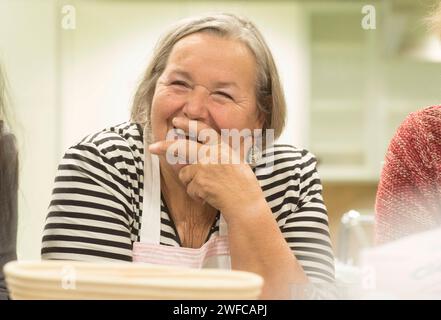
261, 116
260, 121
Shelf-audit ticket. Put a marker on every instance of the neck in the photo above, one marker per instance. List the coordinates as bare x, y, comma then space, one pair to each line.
183, 208
191, 218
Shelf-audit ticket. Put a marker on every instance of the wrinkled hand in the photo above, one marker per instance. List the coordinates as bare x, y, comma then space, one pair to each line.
215, 173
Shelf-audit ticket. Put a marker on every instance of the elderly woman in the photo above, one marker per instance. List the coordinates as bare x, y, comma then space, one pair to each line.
8, 191
409, 193
116, 200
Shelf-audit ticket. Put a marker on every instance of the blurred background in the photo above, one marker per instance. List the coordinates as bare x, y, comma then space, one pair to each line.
351, 70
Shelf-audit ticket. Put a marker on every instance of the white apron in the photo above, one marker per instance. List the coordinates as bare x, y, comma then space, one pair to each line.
214, 253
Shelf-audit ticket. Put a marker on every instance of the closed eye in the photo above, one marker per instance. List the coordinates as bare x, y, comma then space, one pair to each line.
180, 83
224, 94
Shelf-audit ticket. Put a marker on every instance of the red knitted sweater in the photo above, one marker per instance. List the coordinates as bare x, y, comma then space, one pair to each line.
409, 194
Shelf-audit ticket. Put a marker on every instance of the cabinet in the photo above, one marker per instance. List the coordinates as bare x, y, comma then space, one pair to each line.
362, 86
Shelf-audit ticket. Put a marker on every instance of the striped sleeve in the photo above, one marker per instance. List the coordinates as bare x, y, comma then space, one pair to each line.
92, 211
306, 228
292, 187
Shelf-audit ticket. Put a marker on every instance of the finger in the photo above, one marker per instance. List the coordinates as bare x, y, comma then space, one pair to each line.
240, 149
185, 151
187, 174
194, 191
197, 130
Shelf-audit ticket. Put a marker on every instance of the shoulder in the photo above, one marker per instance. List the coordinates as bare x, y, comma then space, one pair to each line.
124, 135
285, 159
427, 114
418, 137
7, 139
119, 143
112, 156
423, 122
287, 171
8, 151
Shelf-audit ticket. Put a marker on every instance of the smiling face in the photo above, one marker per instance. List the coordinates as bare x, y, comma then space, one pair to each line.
209, 79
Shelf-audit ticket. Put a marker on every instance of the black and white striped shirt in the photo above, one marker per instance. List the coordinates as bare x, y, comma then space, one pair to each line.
96, 208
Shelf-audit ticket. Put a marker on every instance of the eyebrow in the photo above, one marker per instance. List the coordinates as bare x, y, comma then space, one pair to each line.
221, 84
218, 84
182, 73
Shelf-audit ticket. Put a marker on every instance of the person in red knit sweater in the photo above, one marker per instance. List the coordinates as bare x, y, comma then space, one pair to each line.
409, 193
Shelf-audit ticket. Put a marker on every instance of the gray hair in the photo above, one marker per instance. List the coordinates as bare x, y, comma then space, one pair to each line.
269, 94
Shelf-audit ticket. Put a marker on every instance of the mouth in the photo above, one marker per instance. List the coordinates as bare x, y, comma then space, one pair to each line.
181, 134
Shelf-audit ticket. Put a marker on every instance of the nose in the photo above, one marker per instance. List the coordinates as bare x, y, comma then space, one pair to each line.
195, 107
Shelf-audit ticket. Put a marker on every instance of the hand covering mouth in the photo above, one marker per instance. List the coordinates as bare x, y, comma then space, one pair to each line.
181, 134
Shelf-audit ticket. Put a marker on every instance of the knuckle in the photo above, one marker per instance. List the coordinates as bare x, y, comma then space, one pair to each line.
181, 174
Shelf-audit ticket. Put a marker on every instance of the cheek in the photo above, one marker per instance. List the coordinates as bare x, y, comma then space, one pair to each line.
232, 118
164, 106
222, 119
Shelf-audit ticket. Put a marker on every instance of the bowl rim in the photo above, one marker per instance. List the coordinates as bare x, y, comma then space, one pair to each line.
177, 277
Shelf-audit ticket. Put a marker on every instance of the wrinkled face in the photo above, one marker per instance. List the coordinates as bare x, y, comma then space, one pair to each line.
209, 79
